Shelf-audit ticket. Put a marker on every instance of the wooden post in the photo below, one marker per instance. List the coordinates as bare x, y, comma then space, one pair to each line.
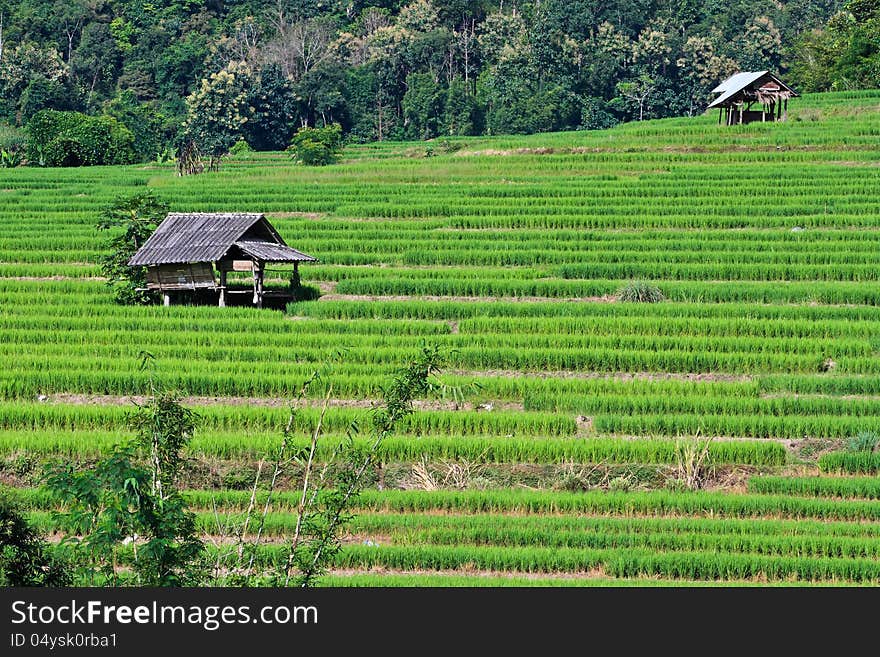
254, 276
785, 111
222, 301
720, 114
260, 286
166, 299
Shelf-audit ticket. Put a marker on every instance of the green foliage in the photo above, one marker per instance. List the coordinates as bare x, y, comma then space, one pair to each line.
217, 111
10, 159
595, 115
273, 110
241, 148
129, 498
462, 113
422, 106
864, 441
12, 139
845, 54
25, 557
324, 64
65, 139
137, 216
317, 146
328, 493
325, 519
150, 127
640, 292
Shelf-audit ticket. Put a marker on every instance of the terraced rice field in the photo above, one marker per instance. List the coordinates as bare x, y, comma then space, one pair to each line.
556, 454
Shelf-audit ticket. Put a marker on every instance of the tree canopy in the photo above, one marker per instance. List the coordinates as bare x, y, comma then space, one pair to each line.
217, 72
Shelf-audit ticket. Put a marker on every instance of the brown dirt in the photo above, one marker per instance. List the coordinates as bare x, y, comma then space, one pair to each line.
584, 425
271, 402
851, 163
400, 297
301, 215
54, 278
651, 147
617, 376
595, 573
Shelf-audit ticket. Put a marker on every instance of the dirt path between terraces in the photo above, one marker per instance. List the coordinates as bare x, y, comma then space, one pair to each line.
273, 402
401, 297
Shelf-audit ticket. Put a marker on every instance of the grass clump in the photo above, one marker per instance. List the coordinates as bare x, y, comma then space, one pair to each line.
640, 292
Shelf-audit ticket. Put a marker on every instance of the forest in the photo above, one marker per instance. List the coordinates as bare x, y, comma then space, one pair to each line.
393, 70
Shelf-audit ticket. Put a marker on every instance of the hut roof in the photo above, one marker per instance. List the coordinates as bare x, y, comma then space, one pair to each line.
208, 236
745, 82
737, 81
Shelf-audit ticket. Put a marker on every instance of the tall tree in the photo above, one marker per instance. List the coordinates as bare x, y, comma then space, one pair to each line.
218, 110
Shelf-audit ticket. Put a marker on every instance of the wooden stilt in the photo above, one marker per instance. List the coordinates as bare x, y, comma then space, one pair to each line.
222, 300
254, 277
166, 299
785, 110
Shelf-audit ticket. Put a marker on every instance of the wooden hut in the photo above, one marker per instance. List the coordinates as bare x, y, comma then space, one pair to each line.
186, 249
739, 93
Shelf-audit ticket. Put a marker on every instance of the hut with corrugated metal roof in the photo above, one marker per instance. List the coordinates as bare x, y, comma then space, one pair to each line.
739, 93
186, 249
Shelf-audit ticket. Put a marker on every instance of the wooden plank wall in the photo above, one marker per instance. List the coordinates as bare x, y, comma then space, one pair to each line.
199, 275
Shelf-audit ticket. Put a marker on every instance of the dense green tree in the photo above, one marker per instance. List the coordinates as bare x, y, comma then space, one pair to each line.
462, 112
218, 110
151, 129
422, 106
27, 65
97, 63
322, 95
273, 111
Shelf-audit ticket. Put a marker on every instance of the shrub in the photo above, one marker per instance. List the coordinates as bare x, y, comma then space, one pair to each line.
640, 292
864, 441
74, 139
317, 146
12, 139
241, 147
25, 559
10, 159
137, 216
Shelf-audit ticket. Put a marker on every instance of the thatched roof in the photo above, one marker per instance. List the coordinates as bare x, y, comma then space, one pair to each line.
210, 236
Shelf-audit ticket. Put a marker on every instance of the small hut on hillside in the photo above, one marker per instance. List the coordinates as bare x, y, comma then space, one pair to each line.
738, 93
187, 247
